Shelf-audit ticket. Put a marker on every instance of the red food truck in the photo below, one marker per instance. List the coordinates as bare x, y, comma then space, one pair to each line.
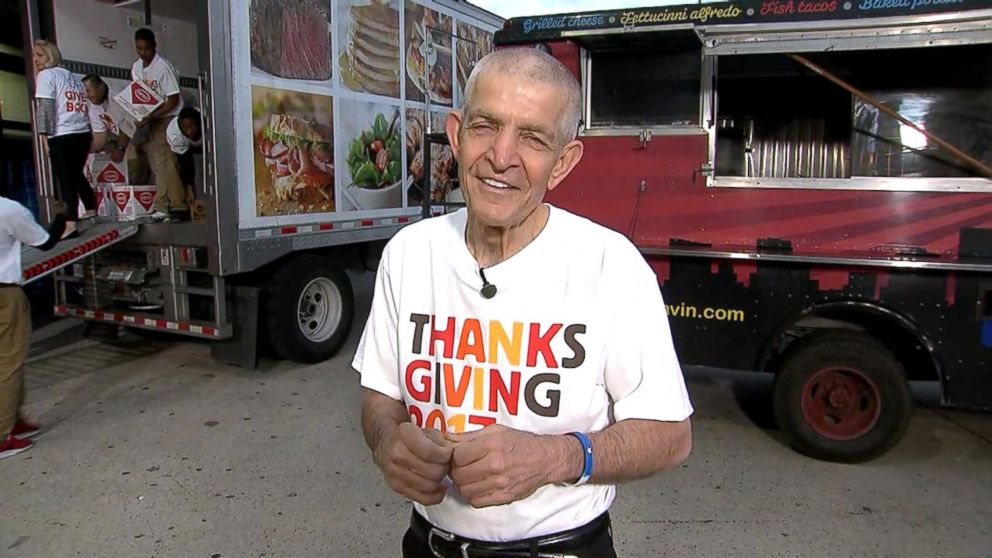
810, 181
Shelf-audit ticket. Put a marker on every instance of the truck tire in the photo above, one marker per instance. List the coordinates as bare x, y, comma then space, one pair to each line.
841, 396
309, 309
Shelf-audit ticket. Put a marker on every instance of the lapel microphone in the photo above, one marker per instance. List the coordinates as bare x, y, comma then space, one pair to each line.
488, 290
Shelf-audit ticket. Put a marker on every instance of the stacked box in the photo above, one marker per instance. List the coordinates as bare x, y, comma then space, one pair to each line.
104, 175
117, 198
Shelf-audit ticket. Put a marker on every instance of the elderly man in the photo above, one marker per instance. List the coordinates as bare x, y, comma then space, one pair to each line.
534, 339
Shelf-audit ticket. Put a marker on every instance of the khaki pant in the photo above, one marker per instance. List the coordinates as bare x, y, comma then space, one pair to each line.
169, 192
15, 332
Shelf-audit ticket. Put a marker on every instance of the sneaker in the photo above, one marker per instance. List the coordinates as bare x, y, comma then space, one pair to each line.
159, 215
11, 446
24, 429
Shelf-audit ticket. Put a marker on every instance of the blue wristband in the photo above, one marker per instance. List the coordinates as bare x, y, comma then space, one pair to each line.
587, 454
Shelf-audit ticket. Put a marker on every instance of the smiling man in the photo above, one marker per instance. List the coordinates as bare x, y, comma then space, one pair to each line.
517, 361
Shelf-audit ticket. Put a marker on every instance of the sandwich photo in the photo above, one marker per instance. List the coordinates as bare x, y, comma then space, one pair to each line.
293, 152
299, 157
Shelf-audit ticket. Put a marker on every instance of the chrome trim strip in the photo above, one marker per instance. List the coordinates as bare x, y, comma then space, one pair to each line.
614, 30
815, 259
869, 183
635, 131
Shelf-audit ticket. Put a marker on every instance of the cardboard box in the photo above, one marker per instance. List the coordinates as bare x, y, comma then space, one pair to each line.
103, 175
132, 202
138, 100
125, 122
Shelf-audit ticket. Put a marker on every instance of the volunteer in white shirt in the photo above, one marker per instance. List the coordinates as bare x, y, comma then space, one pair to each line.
107, 133
17, 227
185, 132
64, 126
159, 74
105, 130
534, 339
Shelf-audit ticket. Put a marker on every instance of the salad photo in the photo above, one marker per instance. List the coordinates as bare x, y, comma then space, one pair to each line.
374, 162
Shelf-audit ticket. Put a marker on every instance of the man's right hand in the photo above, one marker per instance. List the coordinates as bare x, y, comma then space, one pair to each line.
117, 155
413, 464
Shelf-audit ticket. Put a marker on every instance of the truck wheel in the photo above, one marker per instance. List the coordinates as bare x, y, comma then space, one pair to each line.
309, 309
841, 396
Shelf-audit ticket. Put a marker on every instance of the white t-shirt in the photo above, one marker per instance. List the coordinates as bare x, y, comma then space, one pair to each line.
578, 320
179, 143
71, 105
17, 226
161, 76
101, 120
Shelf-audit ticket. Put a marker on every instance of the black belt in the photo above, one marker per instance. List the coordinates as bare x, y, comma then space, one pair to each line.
556, 545
8, 285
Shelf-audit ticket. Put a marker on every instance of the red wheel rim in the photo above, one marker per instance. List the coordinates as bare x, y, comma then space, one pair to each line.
840, 403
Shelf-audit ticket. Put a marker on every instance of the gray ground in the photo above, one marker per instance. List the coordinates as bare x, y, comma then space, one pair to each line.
151, 449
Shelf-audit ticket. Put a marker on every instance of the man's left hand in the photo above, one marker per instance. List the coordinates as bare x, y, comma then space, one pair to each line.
498, 465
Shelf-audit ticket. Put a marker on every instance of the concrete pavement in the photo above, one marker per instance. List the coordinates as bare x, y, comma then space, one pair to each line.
151, 449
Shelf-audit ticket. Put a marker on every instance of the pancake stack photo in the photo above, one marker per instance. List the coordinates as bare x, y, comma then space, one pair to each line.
373, 48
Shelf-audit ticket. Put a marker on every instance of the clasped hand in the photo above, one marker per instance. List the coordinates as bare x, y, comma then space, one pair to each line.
489, 467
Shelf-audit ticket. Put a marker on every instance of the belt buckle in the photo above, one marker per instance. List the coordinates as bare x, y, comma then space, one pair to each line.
450, 537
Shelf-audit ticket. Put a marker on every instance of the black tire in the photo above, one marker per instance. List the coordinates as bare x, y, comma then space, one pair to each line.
813, 404
293, 336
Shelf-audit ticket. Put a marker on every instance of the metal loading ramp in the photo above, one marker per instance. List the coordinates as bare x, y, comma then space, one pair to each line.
36, 263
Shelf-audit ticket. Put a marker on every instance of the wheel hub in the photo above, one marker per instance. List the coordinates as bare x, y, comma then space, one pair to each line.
319, 309
841, 403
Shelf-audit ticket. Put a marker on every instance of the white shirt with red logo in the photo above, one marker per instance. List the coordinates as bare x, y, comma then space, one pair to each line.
179, 143
71, 105
575, 339
161, 76
101, 120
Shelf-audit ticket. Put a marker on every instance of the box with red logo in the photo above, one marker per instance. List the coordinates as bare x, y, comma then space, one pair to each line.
103, 175
138, 100
116, 197
132, 202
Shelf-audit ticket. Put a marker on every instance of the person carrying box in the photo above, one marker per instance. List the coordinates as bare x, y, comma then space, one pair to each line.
161, 76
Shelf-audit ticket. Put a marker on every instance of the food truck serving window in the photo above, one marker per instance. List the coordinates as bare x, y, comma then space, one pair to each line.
646, 84
782, 124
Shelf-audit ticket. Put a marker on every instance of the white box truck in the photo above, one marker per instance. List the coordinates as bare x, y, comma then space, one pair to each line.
315, 114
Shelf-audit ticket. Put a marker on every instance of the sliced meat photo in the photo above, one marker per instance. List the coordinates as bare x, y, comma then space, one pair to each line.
291, 38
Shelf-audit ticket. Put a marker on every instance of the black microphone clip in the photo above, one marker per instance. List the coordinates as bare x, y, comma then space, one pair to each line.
488, 289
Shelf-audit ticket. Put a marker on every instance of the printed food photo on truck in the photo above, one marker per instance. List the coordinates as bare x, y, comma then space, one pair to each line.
373, 155
428, 54
369, 46
442, 170
291, 38
294, 154
472, 43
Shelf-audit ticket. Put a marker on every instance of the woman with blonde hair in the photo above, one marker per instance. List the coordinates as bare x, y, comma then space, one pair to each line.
64, 127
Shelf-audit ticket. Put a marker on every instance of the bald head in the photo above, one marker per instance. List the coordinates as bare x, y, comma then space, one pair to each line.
536, 66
